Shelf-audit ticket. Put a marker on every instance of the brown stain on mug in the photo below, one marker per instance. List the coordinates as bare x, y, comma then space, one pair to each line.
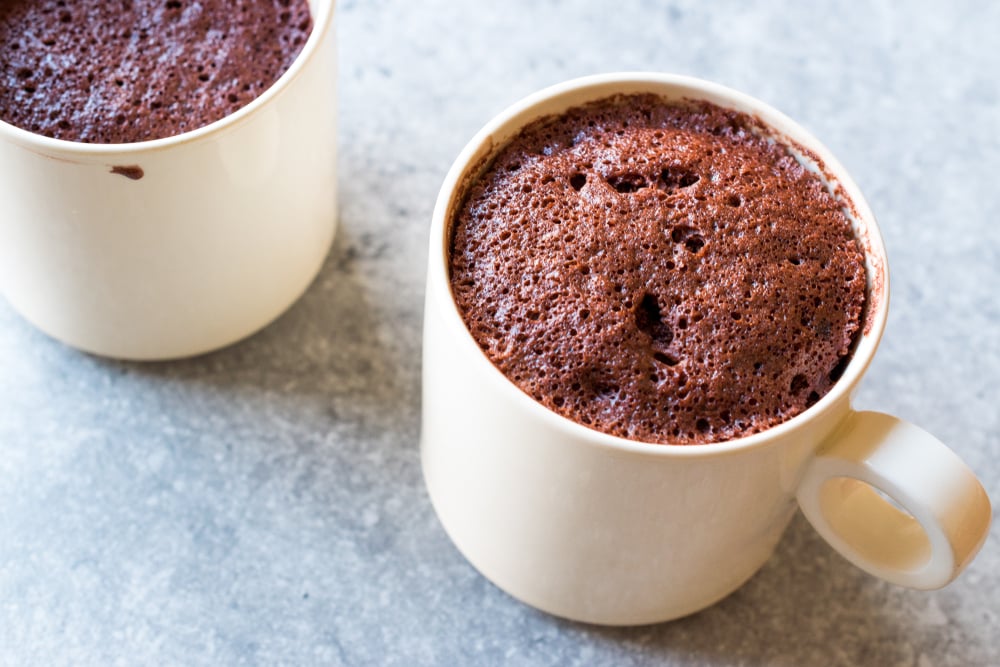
131, 171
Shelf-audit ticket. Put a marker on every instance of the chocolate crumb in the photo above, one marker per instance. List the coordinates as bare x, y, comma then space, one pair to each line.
132, 171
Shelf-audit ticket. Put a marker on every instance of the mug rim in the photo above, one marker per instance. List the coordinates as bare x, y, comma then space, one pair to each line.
322, 21
576, 92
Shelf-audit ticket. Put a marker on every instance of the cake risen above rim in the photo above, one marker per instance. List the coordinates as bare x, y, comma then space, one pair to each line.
661, 271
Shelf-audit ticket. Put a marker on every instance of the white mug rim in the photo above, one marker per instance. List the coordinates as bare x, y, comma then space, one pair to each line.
322, 22
842, 389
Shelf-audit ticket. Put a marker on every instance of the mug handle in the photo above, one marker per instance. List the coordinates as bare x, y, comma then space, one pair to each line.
895, 501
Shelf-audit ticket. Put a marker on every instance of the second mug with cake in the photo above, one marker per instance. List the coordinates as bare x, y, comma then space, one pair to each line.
166, 245
649, 302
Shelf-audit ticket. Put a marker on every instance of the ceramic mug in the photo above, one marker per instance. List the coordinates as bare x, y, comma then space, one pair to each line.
600, 529
173, 247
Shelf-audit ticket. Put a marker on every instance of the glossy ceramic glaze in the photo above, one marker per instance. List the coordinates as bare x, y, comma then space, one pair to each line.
604, 530
225, 228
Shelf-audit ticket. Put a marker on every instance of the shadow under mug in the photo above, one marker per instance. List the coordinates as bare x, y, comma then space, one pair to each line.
600, 529
177, 246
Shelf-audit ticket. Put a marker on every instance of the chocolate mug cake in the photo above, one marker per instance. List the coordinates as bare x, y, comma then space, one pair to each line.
665, 272
101, 71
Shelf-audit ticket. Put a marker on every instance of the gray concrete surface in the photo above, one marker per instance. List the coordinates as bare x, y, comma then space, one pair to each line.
264, 504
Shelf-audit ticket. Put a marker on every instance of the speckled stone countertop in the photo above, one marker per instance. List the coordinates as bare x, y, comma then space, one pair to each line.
264, 504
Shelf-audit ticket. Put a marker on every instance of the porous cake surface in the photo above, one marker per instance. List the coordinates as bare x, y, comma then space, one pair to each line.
117, 71
663, 272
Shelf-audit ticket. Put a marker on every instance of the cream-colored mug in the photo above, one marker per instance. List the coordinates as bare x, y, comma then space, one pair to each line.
173, 247
600, 529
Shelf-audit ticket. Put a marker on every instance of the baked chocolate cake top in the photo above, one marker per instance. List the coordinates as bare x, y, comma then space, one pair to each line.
116, 71
664, 272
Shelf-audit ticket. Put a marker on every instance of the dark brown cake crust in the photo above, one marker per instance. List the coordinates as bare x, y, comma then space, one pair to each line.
116, 71
659, 272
